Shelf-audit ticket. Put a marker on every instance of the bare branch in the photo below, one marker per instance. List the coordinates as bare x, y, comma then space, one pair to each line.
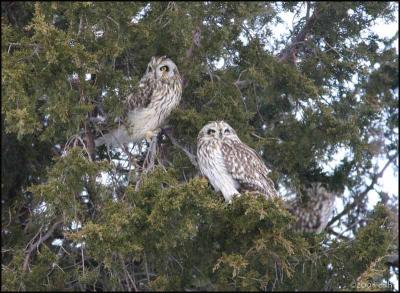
83, 260
112, 19
358, 199
34, 246
149, 161
332, 48
128, 277
148, 164
339, 235
191, 157
308, 10
89, 139
196, 37
299, 38
80, 25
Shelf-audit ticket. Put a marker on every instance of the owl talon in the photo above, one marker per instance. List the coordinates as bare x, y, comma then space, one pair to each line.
149, 136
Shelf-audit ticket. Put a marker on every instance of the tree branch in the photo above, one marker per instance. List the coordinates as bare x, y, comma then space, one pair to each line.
289, 51
149, 161
80, 25
393, 260
128, 277
191, 157
357, 200
35, 245
339, 235
196, 37
299, 38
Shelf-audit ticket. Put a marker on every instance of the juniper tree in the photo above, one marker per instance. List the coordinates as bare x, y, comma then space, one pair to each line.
79, 218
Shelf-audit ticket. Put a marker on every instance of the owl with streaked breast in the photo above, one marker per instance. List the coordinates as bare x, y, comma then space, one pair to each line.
158, 93
232, 166
229, 164
314, 209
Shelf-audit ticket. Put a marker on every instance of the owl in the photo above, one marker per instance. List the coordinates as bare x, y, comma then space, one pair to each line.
158, 93
229, 164
313, 210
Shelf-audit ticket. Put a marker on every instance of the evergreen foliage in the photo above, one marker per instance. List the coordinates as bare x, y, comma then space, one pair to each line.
75, 218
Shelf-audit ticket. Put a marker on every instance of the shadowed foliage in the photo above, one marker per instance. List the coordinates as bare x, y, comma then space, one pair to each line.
79, 218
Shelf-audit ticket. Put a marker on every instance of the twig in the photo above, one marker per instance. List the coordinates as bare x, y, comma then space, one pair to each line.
263, 138
362, 195
189, 53
34, 237
83, 260
332, 48
89, 146
146, 268
258, 104
191, 157
148, 163
298, 39
110, 18
127, 275
80, 25
339, 235
308, 10
170, 6
34, 246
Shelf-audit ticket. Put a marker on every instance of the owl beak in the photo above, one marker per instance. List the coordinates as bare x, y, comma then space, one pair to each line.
220, 134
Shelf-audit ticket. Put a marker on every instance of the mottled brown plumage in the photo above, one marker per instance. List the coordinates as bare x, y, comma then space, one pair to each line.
313, 210
229, 164
232, 166
158, 93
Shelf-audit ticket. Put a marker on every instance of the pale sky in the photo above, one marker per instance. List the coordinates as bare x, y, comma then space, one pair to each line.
389, 181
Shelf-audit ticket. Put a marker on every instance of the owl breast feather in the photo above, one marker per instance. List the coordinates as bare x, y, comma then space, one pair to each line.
148, 118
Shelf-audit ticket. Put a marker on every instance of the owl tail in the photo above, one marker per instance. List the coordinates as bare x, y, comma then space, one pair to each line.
115, 138
99, 141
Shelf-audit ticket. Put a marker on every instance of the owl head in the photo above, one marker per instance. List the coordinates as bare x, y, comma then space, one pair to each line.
217, 130
162, 68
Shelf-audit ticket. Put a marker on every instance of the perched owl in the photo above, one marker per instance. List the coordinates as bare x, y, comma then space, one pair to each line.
313, 210
229, 164
159, 92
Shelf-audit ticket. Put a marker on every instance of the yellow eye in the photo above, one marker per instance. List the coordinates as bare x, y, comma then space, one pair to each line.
164, 68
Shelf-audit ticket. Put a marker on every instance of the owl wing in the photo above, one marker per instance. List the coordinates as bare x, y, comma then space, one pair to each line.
246, 166
141, 97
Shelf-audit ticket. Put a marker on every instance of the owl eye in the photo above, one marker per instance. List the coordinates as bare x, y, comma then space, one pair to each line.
210, 131
149, 69
164, 68
227, 131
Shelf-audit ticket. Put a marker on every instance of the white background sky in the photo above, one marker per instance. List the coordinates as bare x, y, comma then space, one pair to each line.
389, 181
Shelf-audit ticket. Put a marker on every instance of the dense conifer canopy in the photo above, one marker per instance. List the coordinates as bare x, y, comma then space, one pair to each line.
79, 218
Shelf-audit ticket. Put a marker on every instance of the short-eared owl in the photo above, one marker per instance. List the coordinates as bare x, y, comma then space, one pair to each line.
313, 208
229, 164
159, 92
